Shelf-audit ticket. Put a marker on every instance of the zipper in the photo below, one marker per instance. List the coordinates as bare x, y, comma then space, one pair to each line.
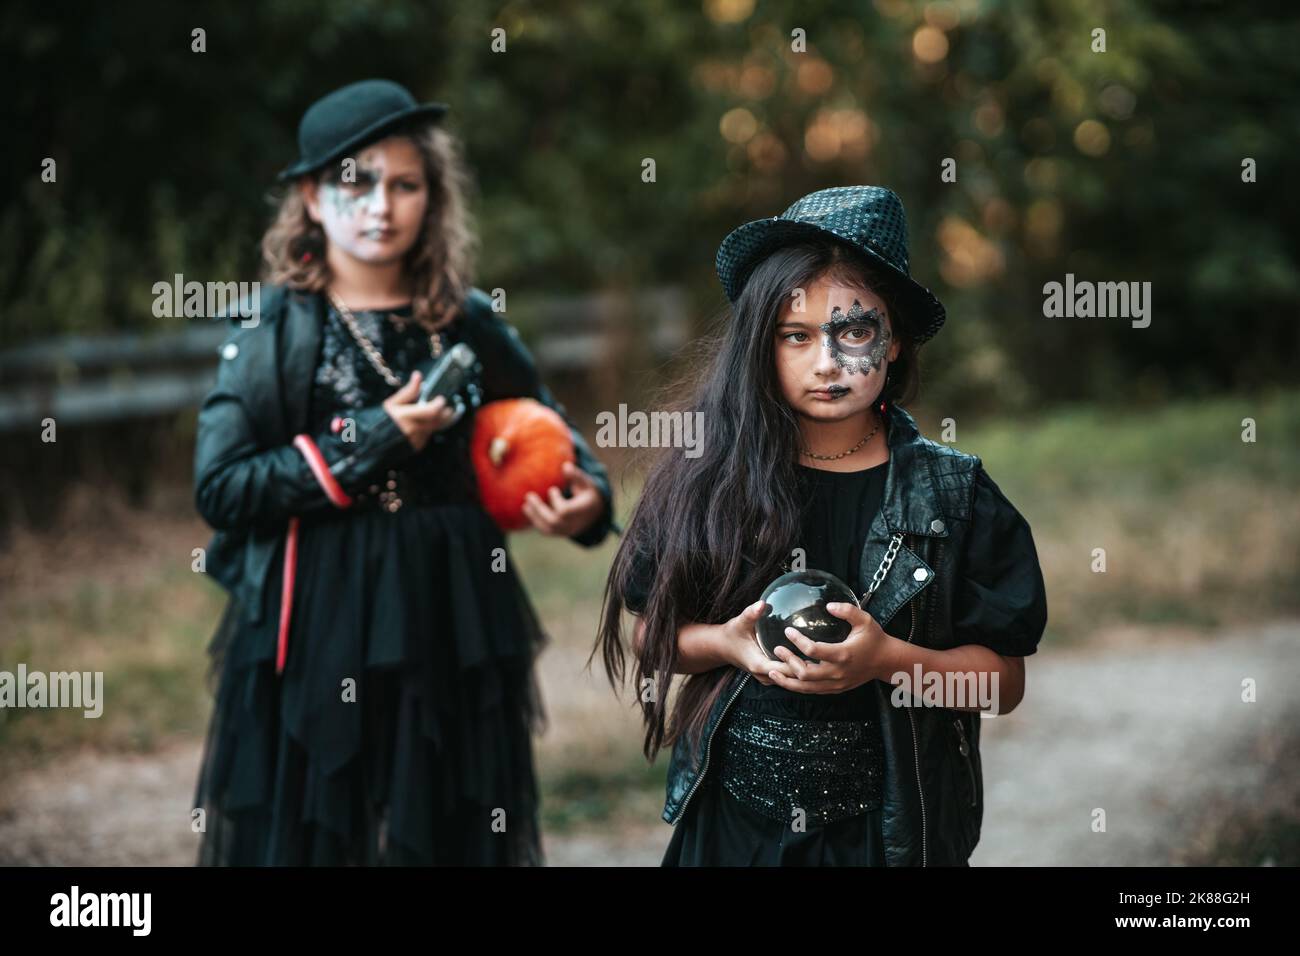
708, 746
916, 754
964, 747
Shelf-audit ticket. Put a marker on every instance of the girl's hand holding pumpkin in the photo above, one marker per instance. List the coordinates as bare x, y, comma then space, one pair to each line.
566, 516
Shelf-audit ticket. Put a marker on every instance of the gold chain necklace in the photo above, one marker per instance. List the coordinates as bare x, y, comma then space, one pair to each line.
368, 347
843, 454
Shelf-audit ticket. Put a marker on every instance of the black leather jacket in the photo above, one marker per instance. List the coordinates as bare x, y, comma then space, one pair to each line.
967, 572
250, 479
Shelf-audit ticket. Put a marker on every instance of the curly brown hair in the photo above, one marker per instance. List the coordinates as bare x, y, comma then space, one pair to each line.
441, 260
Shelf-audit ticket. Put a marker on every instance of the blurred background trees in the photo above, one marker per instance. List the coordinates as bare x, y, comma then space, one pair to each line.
1116, 166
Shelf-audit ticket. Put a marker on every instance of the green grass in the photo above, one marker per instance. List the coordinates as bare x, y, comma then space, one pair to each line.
147, 641
1087, 450
601, 795
1199, 528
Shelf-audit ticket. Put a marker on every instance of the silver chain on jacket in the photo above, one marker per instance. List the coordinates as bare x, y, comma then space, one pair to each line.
887, 562
368, 347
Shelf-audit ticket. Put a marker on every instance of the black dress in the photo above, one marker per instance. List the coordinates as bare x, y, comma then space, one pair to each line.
400, 730
719, 830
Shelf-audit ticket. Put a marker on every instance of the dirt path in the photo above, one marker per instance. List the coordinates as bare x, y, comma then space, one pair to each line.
1157, 737
1153, 731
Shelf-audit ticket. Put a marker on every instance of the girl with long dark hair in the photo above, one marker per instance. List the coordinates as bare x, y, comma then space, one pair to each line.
809, 461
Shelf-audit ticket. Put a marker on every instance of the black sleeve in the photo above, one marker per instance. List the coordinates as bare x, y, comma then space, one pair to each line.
510, 372
1000, 600
238, 481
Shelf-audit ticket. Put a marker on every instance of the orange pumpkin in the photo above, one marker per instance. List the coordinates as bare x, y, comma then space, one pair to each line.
519, 445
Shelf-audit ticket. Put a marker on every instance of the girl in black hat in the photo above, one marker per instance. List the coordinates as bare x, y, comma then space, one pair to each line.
376, 691
810, 462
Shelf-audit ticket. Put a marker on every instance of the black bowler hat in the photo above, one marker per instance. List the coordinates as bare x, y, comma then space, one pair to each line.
355, 115
868, 218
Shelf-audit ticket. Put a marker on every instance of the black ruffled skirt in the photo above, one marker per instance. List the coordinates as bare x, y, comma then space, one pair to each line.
719, 830
400, 730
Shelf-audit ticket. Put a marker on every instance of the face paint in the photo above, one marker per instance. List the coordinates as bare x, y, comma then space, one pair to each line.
374, 216
856, 353
354, 200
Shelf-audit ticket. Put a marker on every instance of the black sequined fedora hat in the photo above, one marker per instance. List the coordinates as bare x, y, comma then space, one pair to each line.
868, 218
352, 116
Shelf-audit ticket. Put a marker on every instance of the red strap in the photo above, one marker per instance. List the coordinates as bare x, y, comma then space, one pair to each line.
316, 461
286, 593
334, 491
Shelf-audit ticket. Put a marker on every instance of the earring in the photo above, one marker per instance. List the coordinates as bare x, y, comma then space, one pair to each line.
311, 245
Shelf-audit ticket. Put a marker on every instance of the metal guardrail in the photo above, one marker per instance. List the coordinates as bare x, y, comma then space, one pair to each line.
84, 380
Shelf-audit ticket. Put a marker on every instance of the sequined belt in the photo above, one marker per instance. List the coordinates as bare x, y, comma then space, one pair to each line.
829, 769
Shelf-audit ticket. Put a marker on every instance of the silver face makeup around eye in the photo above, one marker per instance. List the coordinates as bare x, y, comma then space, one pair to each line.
861, 355
348, 200
351, 200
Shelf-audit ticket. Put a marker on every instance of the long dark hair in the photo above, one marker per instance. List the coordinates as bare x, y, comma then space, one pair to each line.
716, 528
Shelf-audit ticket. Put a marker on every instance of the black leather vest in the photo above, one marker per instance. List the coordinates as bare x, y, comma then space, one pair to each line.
933, 800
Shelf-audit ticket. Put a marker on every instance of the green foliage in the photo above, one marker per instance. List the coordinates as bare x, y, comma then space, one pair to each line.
1122, 165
